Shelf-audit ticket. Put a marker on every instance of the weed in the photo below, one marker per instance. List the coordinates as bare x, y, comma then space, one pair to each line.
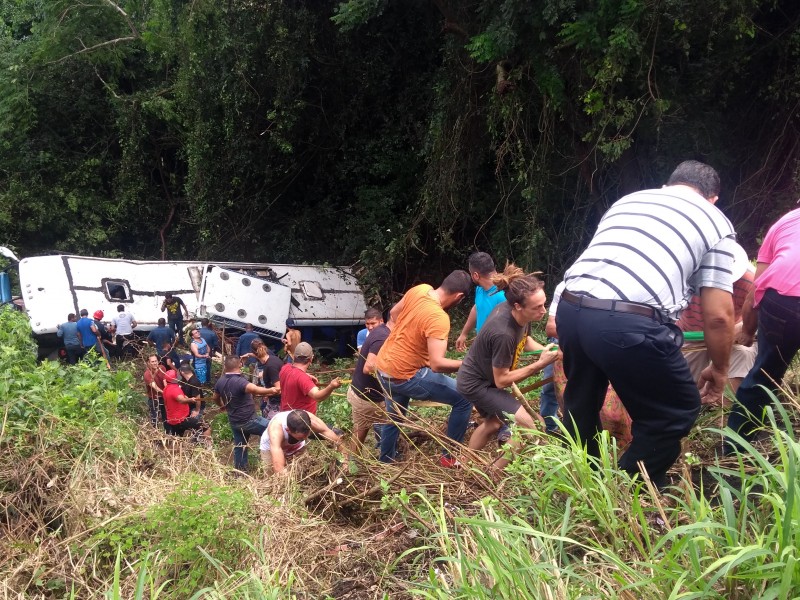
199, 520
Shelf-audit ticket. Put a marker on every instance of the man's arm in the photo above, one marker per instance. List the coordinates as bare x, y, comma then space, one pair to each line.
436, 354
504, 377
369, 363
717, 308
531, 345
183, 305
195, 401
276, 449
218, 400
550, 327
154, 386
257, 390
395, 312
319, 427
749, 312
321, 394
472, 319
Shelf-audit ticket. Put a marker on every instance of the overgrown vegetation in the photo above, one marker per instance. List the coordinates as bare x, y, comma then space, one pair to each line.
397, 134
95, 503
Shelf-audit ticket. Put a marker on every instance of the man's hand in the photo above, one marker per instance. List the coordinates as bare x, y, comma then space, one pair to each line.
550, 354
744, 338
335, 382
461, 343
712, 385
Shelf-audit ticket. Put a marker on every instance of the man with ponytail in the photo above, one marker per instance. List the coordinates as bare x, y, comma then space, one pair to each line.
492, 363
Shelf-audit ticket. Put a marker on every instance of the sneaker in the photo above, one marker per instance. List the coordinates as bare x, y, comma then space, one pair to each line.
503, 435
448, 462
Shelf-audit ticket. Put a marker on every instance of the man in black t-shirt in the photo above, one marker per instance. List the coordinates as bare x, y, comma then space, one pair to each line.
190, 384
491, 365
234, 394
365, 394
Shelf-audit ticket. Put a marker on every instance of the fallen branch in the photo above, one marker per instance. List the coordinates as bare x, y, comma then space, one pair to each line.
375, 488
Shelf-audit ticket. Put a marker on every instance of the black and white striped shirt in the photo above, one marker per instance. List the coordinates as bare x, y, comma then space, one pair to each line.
657, 247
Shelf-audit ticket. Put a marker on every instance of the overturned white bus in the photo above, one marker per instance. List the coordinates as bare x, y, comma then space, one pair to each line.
326, 303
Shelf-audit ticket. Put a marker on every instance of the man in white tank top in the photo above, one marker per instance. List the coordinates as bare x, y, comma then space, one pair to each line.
286, 436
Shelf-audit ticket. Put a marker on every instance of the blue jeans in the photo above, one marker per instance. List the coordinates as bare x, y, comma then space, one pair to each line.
548, 405
241, 433
778, 342
424, 385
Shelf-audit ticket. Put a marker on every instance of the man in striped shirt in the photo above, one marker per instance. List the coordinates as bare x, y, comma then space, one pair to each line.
652, 250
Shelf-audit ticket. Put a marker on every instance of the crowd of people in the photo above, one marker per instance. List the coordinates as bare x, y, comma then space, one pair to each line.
663, 264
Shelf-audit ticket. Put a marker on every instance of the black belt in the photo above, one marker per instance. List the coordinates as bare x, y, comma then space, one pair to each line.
616, 305
393, 380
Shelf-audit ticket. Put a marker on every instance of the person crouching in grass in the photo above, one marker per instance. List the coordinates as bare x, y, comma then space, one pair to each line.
286, 437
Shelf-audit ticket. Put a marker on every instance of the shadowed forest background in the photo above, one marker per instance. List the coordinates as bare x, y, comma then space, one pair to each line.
400, 135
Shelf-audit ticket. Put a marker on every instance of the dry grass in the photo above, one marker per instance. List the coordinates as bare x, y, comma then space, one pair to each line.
332, 537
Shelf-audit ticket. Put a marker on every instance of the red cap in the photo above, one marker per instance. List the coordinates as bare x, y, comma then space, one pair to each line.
98, 314
171, 376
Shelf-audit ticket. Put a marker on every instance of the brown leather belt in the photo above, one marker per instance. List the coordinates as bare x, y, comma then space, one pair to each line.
615, 305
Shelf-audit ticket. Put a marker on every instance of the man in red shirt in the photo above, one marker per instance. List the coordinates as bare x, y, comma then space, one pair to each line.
180, 415
299, 390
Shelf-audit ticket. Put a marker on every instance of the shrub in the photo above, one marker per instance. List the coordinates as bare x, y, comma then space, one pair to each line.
198, 520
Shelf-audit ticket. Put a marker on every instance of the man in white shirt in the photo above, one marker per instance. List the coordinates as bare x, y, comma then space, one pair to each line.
125, 323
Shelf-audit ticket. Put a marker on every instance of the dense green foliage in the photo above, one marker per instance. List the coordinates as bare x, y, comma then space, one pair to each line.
66, 408
399, 134
196, 519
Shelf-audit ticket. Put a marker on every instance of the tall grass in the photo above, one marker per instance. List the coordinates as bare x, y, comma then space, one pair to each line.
583, 528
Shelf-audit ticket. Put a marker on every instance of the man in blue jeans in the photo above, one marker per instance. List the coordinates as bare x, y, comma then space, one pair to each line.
412, 364
233, 393
548, 404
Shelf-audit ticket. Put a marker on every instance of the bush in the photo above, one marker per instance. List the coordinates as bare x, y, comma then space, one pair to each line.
50, 404
200, 519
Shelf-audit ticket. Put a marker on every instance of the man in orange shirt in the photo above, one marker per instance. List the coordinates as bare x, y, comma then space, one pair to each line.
412, 363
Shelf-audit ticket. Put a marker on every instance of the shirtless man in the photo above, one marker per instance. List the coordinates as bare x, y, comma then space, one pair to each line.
291, 339
286, 435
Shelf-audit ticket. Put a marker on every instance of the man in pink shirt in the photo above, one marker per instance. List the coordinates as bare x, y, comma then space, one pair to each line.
773, 306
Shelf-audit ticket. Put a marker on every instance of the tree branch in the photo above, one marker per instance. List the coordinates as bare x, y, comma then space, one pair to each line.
90, 48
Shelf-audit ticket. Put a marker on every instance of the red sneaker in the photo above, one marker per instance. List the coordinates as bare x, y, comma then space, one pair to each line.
448, 462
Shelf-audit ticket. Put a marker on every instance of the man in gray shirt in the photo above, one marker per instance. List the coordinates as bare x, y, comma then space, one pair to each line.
72, 339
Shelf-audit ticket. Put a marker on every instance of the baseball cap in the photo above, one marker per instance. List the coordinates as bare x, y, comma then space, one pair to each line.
303, 350
171, 376
99, 314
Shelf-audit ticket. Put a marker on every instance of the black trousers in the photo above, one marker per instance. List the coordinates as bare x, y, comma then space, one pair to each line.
641, 358
778, 342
